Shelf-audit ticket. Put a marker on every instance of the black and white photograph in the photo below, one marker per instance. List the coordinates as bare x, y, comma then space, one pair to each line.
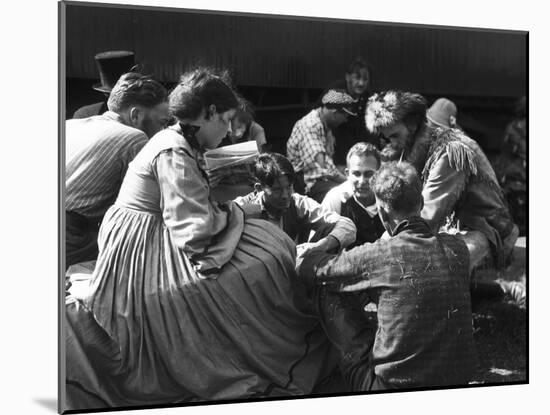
288, 206
273, 207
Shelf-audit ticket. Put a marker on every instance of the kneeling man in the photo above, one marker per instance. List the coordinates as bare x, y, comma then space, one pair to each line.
419, 281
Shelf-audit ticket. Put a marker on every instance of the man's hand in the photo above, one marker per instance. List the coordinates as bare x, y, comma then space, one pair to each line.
327, 244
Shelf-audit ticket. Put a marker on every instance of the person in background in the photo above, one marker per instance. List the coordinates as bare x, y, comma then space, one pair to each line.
442, 114
275, 200
98, 151
310, 147
111, 65
357, 83
244, 128
419, 280
461, 191
354, 199
190, 300
512, 165
238, 180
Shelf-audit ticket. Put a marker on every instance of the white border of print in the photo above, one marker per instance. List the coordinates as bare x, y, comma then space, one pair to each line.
29, 204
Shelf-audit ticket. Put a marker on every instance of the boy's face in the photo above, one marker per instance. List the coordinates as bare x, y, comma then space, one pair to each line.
359, 171
278, 196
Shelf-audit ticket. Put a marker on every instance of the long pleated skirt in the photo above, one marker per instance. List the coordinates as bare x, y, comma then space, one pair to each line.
150, 330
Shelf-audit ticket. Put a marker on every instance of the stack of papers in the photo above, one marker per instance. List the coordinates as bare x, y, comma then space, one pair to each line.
232, 155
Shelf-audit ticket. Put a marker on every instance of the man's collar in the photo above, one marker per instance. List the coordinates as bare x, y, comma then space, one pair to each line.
372, 210
348, 192
414, 224
113, 116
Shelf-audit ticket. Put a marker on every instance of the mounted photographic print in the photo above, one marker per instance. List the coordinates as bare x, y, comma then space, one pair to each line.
261, 207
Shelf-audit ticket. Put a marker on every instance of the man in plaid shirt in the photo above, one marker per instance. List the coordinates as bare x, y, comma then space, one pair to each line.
419, 281
310, 147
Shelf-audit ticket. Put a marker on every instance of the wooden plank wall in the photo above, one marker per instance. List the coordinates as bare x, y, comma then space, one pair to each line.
301, 53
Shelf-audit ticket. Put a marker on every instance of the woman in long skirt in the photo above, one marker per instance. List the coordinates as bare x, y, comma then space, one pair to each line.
189, 299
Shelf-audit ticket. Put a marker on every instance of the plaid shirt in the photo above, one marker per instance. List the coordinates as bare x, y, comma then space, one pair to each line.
98, 151
419, 281
310, 137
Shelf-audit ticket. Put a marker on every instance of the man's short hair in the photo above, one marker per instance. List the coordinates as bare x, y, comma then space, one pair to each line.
363, 149
397, 186
271, 166
133, 88
357, 65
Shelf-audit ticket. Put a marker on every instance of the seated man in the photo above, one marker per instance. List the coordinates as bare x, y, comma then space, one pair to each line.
460, 186
311, 145
357, 82
275, 200
98, 151
420, 283
354, 198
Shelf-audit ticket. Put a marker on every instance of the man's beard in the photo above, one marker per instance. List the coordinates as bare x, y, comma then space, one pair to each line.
393, 152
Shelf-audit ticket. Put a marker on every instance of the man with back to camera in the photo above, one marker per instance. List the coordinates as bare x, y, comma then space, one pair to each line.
98, 151
461, 191
419, 281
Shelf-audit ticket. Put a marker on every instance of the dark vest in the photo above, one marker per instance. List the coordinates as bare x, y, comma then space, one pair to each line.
368, 229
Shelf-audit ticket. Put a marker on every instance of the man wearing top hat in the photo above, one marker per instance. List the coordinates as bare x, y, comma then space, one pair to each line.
311, 145
98, 151
111, 65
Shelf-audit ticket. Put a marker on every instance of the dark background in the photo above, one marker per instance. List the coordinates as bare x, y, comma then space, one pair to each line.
282, 64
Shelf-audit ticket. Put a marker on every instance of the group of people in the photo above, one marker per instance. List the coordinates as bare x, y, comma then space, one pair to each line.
268, 294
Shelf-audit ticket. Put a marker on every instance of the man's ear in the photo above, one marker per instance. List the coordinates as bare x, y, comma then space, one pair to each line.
257, 187
346, 171
134, 115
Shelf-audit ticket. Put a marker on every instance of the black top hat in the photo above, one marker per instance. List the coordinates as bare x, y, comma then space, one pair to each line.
111, 65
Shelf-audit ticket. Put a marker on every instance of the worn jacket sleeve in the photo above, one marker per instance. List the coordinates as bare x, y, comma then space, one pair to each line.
348, 267
343, 229
441, 191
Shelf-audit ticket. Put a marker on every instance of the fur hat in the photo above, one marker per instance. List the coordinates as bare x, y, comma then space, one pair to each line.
390, 107
442, 113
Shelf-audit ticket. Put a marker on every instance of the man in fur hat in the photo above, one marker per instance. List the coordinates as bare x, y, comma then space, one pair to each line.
460, 188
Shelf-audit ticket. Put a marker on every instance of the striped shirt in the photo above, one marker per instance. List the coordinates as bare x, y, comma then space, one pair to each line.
98, 151
310, 137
